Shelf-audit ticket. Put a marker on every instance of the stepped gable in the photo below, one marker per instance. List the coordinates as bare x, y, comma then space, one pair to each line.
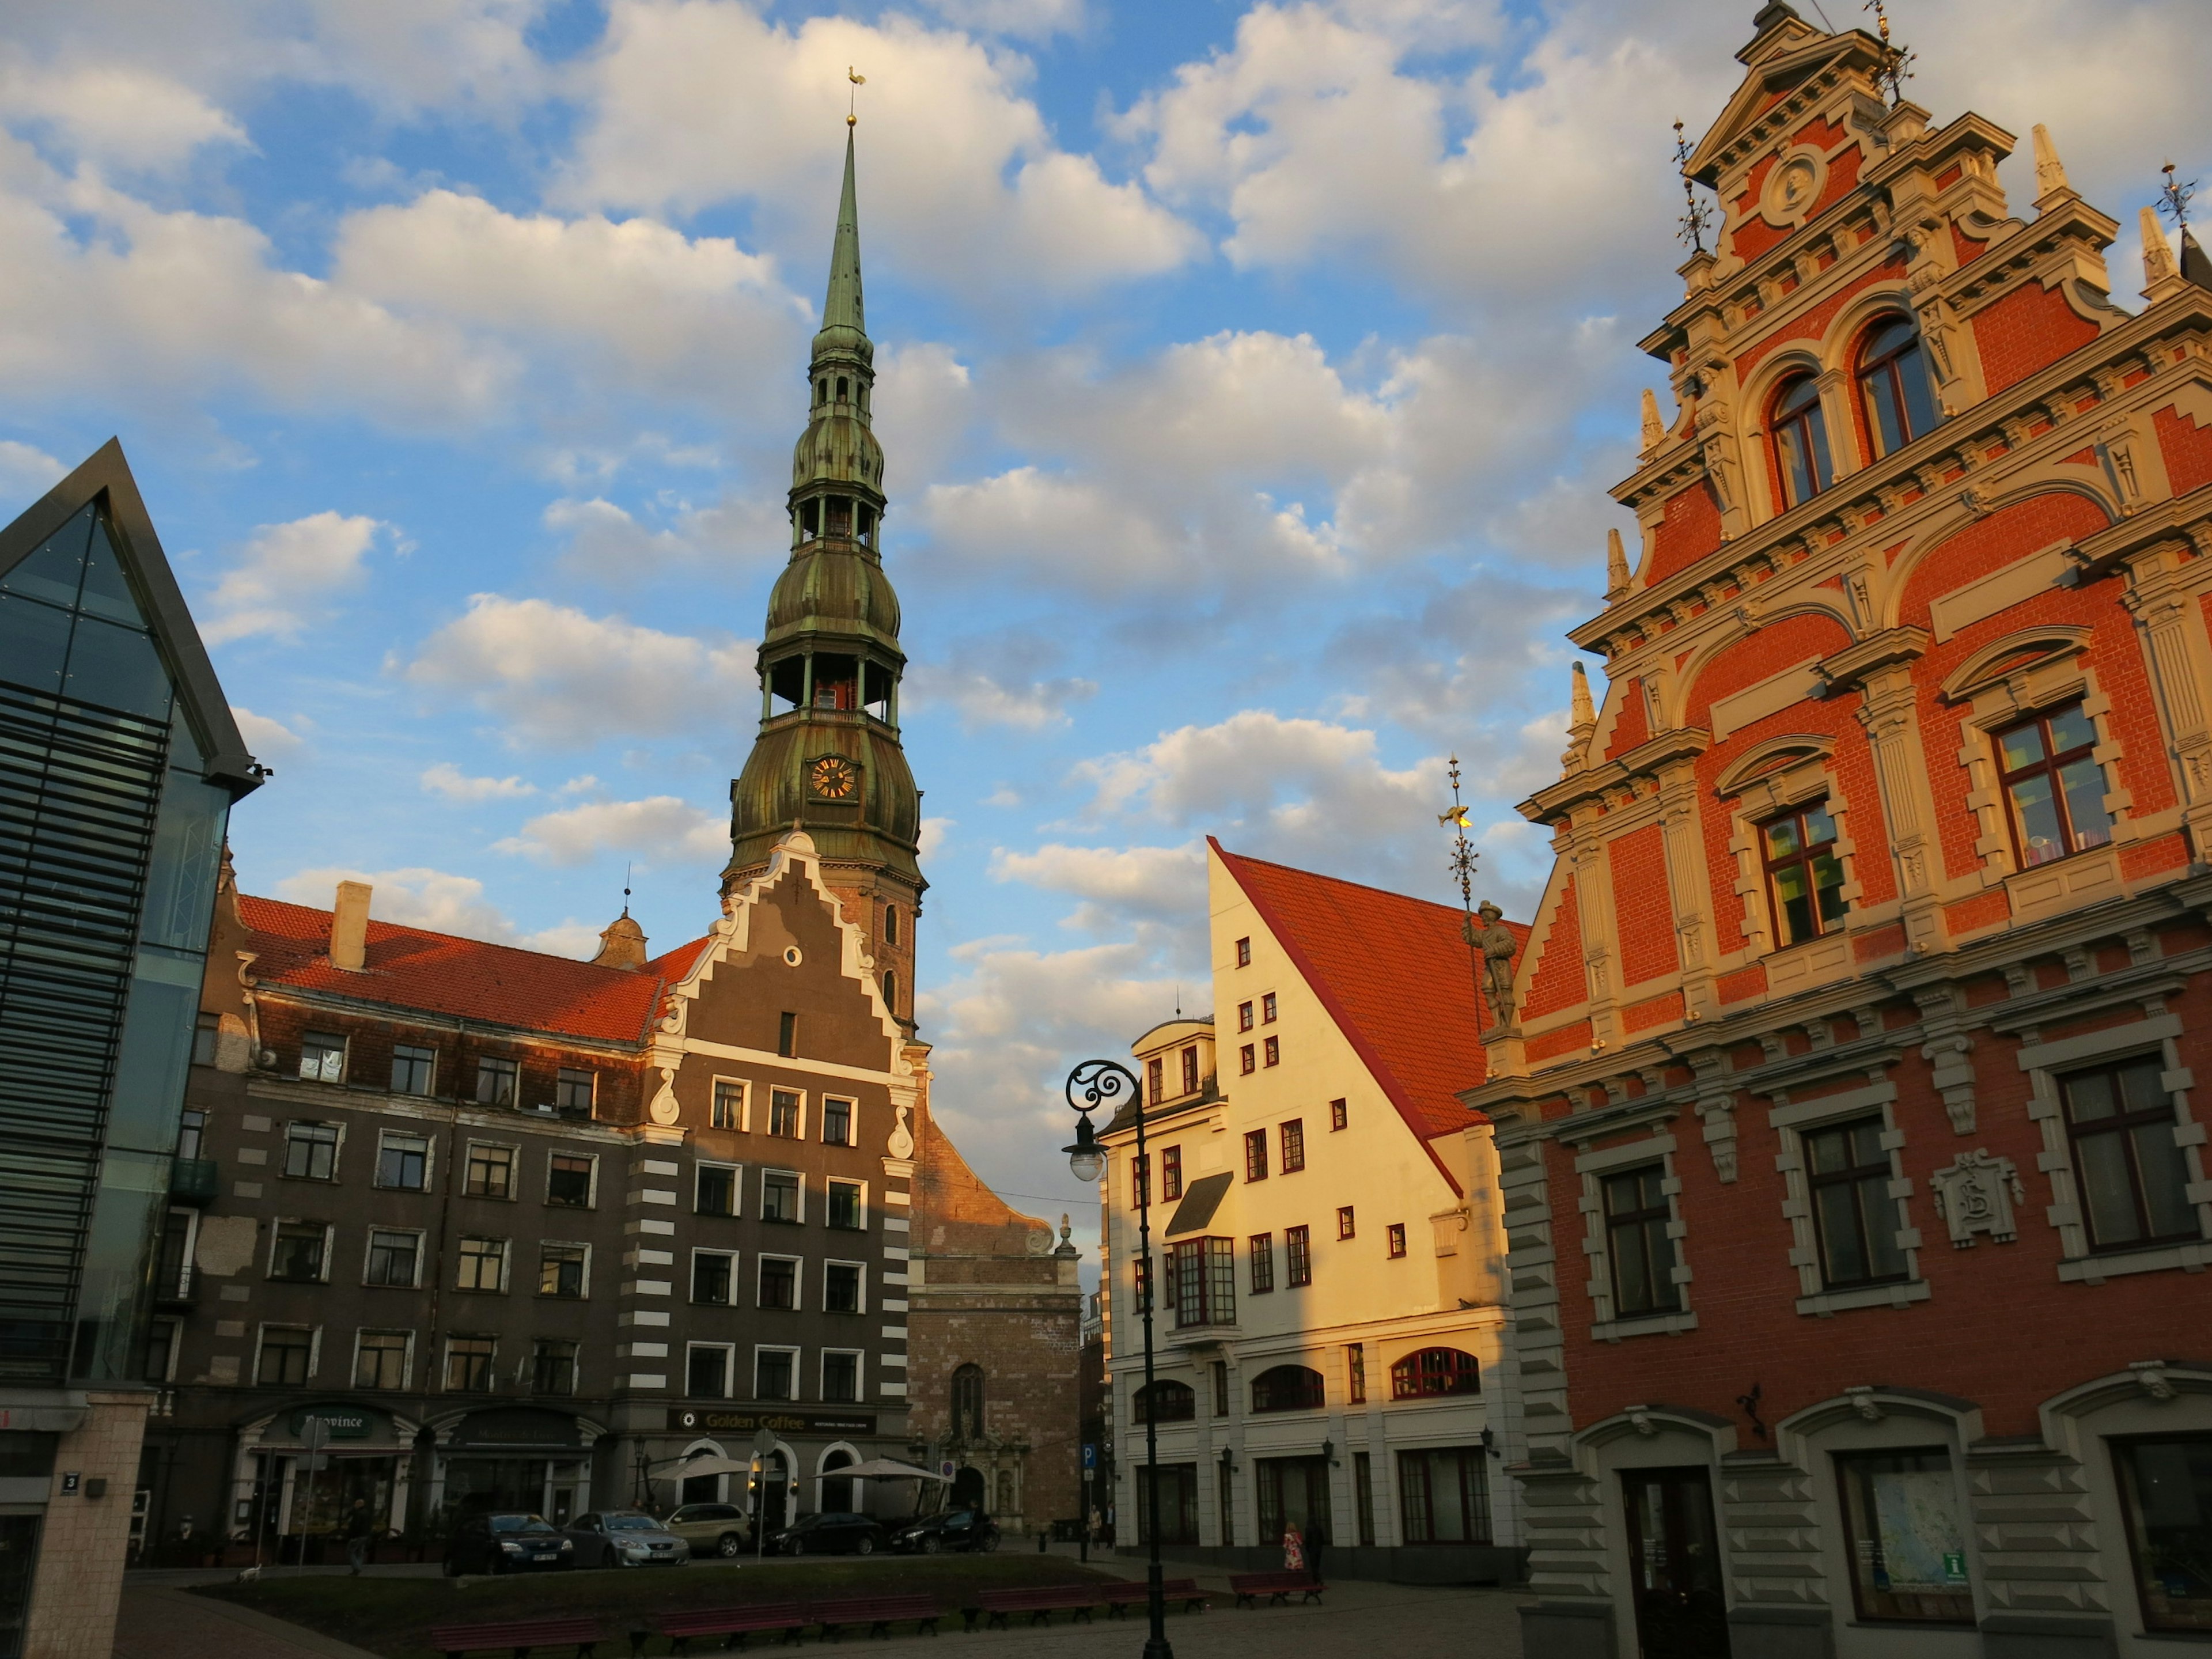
1393, 971
444, 974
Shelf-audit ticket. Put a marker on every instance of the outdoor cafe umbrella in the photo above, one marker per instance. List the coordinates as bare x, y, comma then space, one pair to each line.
883, 1468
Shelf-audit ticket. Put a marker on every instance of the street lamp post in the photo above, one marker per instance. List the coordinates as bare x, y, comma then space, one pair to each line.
1093, 1084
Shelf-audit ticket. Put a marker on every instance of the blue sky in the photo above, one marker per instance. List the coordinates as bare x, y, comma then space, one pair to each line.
1252, 376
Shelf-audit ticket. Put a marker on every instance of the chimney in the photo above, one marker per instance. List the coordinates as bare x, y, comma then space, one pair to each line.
349, 927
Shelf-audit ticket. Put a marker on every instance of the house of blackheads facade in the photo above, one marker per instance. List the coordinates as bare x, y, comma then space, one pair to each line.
1852, 1154
472, 1226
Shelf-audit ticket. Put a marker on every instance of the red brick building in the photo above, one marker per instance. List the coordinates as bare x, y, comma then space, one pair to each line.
1858, 1207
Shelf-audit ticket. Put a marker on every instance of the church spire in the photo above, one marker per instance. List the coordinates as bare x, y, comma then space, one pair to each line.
842, 310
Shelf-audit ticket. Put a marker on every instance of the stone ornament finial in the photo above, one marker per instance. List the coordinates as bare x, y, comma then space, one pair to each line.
1582, 720
2159, 265
1654, 433
2050, 171
1616, 565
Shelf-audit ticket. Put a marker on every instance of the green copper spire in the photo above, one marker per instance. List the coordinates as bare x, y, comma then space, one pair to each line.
843, 316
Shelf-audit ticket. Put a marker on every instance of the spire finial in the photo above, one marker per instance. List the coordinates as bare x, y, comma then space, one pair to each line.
626, 869
1696, 215
1896, 61
2173, 197
2157, 254
1616, 567
853, 96
2050, 171
1462, 864
1654, 433
842, 308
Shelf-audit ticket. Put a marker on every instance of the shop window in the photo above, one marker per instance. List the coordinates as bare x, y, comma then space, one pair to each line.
322, 1057
2127, 1162
1434, 1374
773, 1371
1804, 876
1801, 440
568, 1180
413, 1069
1177, 1493
1171, 1172
967, 1403
1291, 1136
707, 1371
552, 1366
1202, 1277
403, 1161
1443, 1497
1639, 1253
779, 1282
837, 1122
712, 1274
2166, 1489
1297, 1252
1261, 1257
379, 1359
1901, 398
1855, 1220
783, 1115
1256, 1152
469, 1363
728, 1109
841, 1377
394, 1258
573, 1090
714, 1189
779, 1196
496, 1079
2054, 790
1904, 1537
483, 1264
490, 1171
1165, 1402
311, 1152
840, 1288
297, 1253
1288, 1388
562, 1269
844, 1207
286, 1352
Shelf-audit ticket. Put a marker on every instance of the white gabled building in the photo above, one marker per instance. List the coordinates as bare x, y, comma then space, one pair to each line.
1329, 1333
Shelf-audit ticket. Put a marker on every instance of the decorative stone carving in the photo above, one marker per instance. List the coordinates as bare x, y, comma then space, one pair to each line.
664, 1108
2151, 1375
1975, 1194
1863, 1402
1497, 945
1953, 1078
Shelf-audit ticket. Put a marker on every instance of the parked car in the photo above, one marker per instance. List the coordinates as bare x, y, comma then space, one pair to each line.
507, 1542
949, 1530
831, 1532
626, 1537
712, 1529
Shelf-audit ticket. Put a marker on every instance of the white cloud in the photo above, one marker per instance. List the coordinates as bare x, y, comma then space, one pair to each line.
121, 113
559, 677
26, 474
1166, 884
934, 832
286, 577
982, 699
268, 738
413, 897
696, 102
448, 780
661, 827
1031, 19
571, 937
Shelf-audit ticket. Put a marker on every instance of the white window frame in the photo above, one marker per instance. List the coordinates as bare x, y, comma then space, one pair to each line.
406, 1358
796, 1353
338, 1150
1793, 1122
261, 1337
1606, 1324
513, 1194
729, 1352
745, 1088
838, 1261
544, 1244
851, 1104
691, 1284
736, 1188
368, 1255
769, 1129
799, 1175
506, 1265
276, 1237
345, 1055
860, 1357
592, 1186
2159, 1032
430, 1159
841, 1181
761, 1259
176, 1341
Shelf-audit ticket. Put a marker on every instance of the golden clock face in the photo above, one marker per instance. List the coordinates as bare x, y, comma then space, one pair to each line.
835, 778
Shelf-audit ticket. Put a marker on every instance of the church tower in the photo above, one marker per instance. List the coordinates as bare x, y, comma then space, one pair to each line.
827, 757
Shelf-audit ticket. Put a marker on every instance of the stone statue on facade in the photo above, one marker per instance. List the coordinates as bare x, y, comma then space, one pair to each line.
1496, 942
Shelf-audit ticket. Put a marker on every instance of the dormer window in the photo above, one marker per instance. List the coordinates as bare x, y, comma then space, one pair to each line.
1801, 441
1900, 401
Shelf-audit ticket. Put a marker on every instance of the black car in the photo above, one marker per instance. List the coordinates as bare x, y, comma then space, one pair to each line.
505, 1542
952, 1530
831, 1532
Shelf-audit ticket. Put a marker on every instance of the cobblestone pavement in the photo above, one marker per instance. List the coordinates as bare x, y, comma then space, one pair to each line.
161, 1622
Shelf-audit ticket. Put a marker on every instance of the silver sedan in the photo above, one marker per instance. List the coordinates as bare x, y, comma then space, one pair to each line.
625, 1538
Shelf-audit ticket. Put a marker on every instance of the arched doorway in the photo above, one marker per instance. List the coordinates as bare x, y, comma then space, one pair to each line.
837, 1493
703, 1488
968, 1490
775, 1496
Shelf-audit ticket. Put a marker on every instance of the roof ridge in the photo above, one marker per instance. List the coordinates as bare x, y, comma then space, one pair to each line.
471, 939
1336, 881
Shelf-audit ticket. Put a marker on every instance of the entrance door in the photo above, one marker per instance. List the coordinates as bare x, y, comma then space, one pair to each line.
1293, 1492
774, 1493
1675, 1560
19, 1553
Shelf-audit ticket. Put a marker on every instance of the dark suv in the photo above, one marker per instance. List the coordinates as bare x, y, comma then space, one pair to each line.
505, 1542
954, 1530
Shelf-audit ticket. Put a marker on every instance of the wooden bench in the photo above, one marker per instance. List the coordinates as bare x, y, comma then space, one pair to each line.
1124, 1594
735, 1624
519, 1636
1040, 1601
878, 1613
1277, 1587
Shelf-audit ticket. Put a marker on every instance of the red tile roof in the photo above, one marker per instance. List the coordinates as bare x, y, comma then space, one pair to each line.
463, 978
1394, 973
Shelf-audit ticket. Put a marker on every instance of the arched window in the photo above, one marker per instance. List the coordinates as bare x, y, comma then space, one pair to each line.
822, 392
1165, 1402
842, 387
891, 991
891, 924
1434, 1372
1801, 440
967, 1403
1288, 1388
1900, 402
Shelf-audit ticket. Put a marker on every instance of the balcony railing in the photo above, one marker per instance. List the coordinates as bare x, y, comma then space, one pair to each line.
192, 1180
176, 1287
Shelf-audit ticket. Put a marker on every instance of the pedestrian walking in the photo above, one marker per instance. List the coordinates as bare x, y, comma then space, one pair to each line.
1316, 1541
1294, 1549
359, 1527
